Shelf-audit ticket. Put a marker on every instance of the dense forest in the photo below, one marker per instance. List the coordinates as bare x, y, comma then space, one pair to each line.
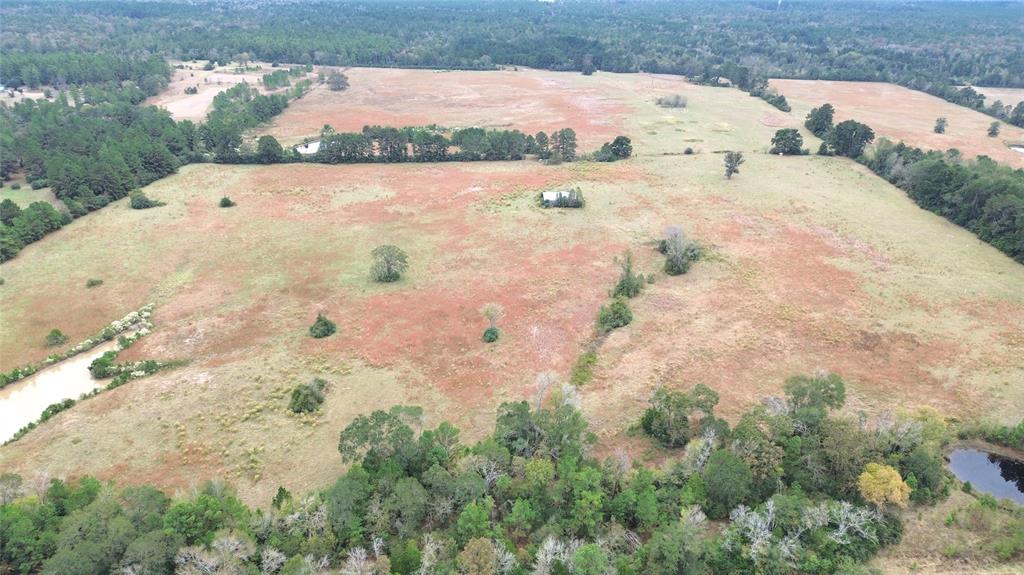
931, 46
806, 491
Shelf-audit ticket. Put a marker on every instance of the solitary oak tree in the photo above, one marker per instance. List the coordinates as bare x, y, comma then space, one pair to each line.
389, 263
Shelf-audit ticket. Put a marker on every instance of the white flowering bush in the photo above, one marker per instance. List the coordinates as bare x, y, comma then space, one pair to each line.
138, 320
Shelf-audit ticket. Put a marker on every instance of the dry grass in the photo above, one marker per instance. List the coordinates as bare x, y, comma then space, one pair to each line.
527, 100
953, 537
1008, 96
194, 107
816, 264
901, 114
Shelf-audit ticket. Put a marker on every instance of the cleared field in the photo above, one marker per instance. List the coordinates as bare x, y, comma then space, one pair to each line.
26, 195
901, 114
528, 100
194, 107
11, 97
814, 264
1008, 96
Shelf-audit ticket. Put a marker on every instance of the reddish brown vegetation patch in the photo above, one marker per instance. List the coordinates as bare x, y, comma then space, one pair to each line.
772, 302
527, 100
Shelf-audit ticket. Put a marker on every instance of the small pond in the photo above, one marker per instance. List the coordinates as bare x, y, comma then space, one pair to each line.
999, 476
22, 402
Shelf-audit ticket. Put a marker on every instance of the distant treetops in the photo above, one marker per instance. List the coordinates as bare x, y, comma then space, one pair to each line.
848, 138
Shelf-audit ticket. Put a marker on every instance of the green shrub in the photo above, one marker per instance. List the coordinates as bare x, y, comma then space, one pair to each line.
322, 327
306, 398
1011, 547
226, 202
55, 338
951, 551
16, 186
139, 201
102, 366
491, 334
673, 101
987, 501
614, 315
91, 283
39, 184
55, 408
630, 283
583, 369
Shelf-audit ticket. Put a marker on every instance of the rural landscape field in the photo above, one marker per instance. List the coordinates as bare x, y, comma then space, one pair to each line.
693, 327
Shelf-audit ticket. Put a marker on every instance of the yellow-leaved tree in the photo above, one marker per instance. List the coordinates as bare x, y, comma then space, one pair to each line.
881, 484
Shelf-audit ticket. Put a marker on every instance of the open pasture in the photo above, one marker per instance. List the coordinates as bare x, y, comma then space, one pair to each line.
527, 100
1008, 96
899, 114
812, 263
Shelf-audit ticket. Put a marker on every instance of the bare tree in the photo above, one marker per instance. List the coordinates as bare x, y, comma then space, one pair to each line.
10, 487
679, 251
270, 561
493, 312
357, 563
544, 381
430, 556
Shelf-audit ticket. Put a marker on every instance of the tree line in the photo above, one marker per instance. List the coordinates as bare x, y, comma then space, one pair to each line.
91, 146
409, 144
803, 491
61, 69
386, 144
980, 195
96, 143
238, 109
935, 47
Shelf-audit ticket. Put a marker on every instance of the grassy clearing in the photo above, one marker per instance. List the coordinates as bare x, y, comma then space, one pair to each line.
26, 195
963, 534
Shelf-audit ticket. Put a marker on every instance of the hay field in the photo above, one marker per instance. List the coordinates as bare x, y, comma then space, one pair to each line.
528, 100
814, 264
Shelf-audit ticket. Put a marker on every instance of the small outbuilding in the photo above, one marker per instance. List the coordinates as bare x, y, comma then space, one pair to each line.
569, 198
308, 148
